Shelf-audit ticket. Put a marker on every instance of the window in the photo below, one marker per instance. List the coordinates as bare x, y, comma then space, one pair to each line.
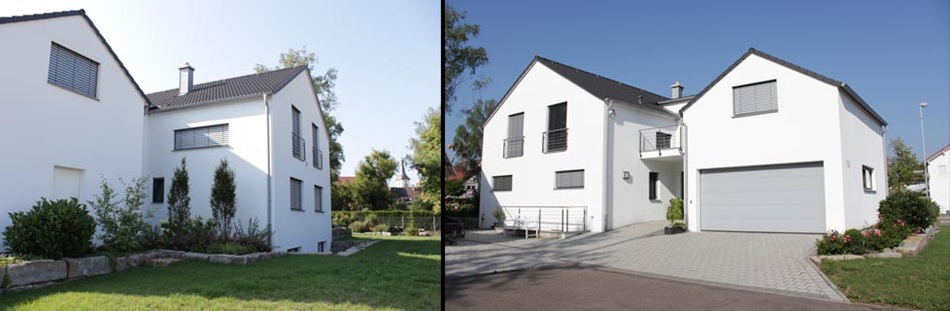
514, 145
294, 250
654, 189
320, 246
297, 142
754, 98
317, 154
555, 139
569, 179
501, 183
72, 71
201, 137
867, 176
296, 194
318, 199
158, 190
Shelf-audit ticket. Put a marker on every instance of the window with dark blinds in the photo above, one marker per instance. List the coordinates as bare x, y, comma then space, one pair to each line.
514, 145
557, 116
72, 71
317, 199
296, 194
755, 98
201, 137
569, 179
501, 183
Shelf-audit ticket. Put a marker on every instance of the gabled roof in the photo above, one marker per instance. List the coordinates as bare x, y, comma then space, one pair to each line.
232, 88
598, 86
840, 85
933, 156
34, 17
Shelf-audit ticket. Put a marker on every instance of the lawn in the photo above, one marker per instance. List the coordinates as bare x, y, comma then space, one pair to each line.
397, 273
920, 282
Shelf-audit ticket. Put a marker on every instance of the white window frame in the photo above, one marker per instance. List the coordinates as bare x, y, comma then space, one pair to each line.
756, 98
317, 199
223, 140
867, 178
511, 183
296, 194
558, 186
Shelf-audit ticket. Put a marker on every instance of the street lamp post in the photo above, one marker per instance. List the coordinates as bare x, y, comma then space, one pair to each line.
923, 143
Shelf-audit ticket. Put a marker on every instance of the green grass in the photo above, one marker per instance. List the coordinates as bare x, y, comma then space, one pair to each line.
395, 273
921, 282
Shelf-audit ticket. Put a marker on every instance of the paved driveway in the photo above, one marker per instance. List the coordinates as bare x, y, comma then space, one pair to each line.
757, 261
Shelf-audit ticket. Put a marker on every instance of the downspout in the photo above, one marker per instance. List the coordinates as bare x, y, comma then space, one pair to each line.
684, 135
604, 199
270, 151
884, 143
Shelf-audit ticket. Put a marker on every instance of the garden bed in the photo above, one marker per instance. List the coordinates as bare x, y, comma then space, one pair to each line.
911, 246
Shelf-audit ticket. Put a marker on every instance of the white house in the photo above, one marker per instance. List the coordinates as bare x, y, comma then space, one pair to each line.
767, 147
75, 114
72, 112
938, 165
270, 129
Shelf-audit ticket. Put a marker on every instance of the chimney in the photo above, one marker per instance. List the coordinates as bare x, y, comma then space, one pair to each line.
186, 79
677, 90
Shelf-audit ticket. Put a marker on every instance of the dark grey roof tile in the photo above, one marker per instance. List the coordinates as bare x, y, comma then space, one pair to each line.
232, 88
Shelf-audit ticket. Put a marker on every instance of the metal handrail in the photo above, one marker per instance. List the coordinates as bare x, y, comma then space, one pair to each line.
299, 145
513, 147
317, 158
561, 219
554, 140
661, 138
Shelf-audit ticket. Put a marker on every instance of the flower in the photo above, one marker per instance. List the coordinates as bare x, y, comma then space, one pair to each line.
847, 238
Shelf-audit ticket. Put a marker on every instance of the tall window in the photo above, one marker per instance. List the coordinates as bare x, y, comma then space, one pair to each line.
296, 194
514, 145
754, 98
654, 186
72, 71
867, 177
201, 137
501, 183
317, 154
297, 142
555, 139
318, 199
158, 190
569, 179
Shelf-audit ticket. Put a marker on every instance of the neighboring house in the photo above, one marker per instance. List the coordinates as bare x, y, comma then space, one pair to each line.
938, 171
405, 193
72, 112
767, 147
270, 129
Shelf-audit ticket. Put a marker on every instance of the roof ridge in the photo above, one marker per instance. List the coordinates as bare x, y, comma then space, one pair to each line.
934, 155
599, 76
38, 16
236, 77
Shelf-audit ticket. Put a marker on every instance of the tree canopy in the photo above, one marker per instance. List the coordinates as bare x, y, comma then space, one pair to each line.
460, 60
371, 187
467, 143
902, 166
427, 157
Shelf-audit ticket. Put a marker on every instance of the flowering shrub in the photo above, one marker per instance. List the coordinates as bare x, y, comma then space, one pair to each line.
831, 243
874, 239
918, 212
854, 242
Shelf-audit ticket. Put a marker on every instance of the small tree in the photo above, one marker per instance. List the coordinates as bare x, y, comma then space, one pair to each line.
123, 226
223, 198
674, 212
179, 207
902, 167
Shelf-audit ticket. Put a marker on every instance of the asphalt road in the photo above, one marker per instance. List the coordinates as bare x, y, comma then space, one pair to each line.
577, 287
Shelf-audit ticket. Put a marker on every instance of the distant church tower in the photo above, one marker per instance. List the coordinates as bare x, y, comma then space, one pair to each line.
404, 180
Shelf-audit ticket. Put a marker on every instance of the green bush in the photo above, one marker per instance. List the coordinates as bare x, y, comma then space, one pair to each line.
412, 230
381, 228
854, 242
358, 226
874, 239
675, 211
230, 248
52, 229
253, 236
499, 214
917, 211
201, 234
831, 243
123, 225
893, 233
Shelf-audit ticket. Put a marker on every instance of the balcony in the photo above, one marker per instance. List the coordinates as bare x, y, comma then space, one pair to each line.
298, 146
317, 158
513, 147
554, 141
661, 143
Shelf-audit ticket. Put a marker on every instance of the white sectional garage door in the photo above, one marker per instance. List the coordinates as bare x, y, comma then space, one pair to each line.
776, 198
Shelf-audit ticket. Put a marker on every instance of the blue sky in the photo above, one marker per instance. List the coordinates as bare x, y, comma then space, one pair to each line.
387, 52
895, 54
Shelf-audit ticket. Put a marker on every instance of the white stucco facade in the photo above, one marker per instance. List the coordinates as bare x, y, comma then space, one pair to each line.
938, 171
57, 142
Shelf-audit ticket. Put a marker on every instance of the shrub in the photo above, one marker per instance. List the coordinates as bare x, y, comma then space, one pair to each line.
52, 229
358, 226
412, 230
381, 228
179, 209
342, 219
874, 240
918, 212
369, 220
230, 248
831, 243
201, 234
500, 215
893, 233
675, 211
122, 225
854, 242
223, 205
254, 236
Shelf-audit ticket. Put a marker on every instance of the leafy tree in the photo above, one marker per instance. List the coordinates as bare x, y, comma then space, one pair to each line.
223, 197
458, 58
342, 197
467, 144
124, 228
901, 166
179, 207
324, 86
371, 188
427, 157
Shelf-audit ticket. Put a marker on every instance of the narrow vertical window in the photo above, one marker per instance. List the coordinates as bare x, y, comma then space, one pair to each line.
867, 176
296, 194
654, 189
318, 199
555, 139
158, 190
514, 145
297, 142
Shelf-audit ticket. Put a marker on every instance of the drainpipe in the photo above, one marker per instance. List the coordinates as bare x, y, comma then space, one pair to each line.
884, 141
606, 170
270, 168
684, 135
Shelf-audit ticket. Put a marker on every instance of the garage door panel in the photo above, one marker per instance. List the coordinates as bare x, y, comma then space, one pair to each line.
782, 198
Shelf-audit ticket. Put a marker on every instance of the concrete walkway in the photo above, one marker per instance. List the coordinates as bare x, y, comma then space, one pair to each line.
775, 263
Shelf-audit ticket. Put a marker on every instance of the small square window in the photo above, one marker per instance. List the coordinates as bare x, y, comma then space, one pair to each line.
867, 176
501, 183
